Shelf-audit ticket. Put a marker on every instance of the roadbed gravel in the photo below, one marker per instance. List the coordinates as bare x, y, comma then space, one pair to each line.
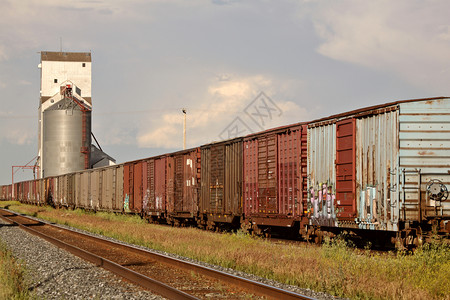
91, 286
54, 273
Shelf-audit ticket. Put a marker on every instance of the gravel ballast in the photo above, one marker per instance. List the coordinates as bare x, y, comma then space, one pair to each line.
126, 294
56, 274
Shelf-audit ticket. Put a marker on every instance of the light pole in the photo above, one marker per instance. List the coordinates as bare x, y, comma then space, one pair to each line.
184, 129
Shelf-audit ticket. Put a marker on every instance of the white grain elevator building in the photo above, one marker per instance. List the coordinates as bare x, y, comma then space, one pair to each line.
65, 105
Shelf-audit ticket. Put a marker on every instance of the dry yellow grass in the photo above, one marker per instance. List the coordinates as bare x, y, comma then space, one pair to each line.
12, 277
333, 268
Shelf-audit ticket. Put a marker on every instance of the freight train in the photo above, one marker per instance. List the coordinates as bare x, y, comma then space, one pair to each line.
380, 172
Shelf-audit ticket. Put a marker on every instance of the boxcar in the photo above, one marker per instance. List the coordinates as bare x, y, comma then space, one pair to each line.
48, 190
275, 179
111, 188
155, 198
83, 189
95, 190
4, 192
383, 169
221, 184
133, 186
32, 191
183, 182
39, 191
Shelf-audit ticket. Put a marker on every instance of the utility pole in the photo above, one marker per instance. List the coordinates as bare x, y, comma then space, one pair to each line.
184, 129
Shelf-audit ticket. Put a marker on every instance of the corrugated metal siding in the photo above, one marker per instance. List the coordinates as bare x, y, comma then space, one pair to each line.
275, 174
424, 155
59, 186
136, 204
159, 204
71, 190
183, 182
148, 185
377, 170
77, 189
213, 179
267, 174
108, 190
85, 189
289, 173
233, 177
32, 197
128, 186
179, 184
250, 176
48, 187
170, 184
206, 180
118, 183
4, 192
26, 191
322, 174
221, 178
41, 195
191, 162
55, 190
217, 179
95, 189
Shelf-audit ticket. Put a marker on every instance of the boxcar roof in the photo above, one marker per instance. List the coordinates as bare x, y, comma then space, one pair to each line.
372, 110
273, 130
228, 141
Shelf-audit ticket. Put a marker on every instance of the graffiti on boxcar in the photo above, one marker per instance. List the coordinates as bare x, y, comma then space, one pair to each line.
159, 203
126, 203
321, 205
367, 213
145, 201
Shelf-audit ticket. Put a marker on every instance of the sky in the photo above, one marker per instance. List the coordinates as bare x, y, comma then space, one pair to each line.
236, 66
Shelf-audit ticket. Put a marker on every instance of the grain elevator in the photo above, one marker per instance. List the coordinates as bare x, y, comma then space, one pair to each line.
65, 105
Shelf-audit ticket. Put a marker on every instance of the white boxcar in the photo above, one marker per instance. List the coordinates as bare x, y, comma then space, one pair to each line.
385, 167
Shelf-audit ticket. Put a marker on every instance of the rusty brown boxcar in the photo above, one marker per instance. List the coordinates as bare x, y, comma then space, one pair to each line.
4, 194
133, 176
40, 194
7, 192
221, 184
154, 203
183, 182
32, 191
275, 178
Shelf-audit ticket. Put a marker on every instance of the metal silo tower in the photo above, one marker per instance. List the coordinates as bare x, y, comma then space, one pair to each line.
64, 112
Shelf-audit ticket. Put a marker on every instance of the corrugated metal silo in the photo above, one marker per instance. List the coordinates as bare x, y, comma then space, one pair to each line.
66, 133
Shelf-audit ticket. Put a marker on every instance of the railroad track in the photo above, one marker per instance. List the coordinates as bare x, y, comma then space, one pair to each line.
164, 275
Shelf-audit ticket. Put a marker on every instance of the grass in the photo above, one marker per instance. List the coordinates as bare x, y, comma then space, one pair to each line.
334, 268
12, 277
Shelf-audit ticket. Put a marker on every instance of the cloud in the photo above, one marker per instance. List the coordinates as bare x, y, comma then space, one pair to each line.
444, 32
223, 102
25, 82
17, 129
3, 55
20, 137
224, 2
411, 41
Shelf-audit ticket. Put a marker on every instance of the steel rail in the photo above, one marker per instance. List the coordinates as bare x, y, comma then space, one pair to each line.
139, 279
249, 285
